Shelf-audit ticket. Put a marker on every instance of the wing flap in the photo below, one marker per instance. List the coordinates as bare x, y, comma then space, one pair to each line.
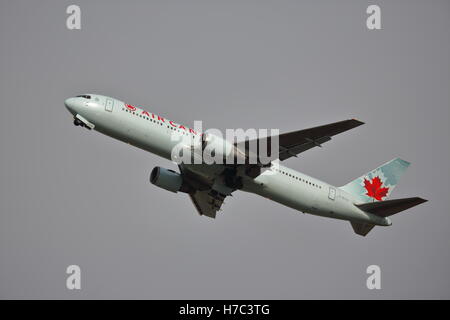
205, 203
286, 153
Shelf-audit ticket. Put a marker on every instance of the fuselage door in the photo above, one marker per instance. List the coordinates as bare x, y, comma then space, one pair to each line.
109, 104
332, 193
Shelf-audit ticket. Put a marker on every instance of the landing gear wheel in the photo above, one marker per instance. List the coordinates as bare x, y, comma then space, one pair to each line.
77, 122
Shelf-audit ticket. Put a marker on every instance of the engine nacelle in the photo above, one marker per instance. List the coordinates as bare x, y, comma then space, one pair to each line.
166, 179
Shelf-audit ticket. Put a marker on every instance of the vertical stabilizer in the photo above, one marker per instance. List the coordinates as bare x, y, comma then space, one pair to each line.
377, 184
362, 228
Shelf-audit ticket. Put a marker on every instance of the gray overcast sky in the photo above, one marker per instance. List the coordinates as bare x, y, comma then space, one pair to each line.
70, 196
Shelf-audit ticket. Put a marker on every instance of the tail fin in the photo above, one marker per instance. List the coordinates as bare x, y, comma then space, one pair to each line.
377, 184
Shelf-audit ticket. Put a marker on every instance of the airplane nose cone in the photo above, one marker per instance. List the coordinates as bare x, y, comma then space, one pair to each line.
71, 105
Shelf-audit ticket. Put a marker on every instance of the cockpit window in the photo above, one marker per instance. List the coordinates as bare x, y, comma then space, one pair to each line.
84, 96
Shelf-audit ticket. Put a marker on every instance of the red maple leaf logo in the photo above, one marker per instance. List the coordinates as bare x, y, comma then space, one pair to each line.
374, 188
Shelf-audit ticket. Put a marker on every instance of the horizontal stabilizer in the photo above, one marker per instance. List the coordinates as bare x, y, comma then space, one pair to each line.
389, 207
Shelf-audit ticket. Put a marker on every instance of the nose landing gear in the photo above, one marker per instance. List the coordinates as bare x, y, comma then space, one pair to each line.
82, 122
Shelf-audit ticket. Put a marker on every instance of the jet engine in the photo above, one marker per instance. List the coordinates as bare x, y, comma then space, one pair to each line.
167, 179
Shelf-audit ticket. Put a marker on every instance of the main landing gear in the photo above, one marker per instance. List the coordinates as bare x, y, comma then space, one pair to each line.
231, 179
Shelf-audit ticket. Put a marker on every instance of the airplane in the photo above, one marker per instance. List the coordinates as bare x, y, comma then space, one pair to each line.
362, 201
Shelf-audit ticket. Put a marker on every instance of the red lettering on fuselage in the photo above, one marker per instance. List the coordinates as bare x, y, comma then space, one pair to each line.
130, 107
146, 113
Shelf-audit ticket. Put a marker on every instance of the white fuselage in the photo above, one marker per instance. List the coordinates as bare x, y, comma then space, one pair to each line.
153, 133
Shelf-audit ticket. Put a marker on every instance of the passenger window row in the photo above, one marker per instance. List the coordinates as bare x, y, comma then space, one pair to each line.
143, 117
153, 120
177, 130
299, 179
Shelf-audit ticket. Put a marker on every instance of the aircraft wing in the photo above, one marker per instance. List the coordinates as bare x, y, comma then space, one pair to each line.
207, 190
295, 142
207, 204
